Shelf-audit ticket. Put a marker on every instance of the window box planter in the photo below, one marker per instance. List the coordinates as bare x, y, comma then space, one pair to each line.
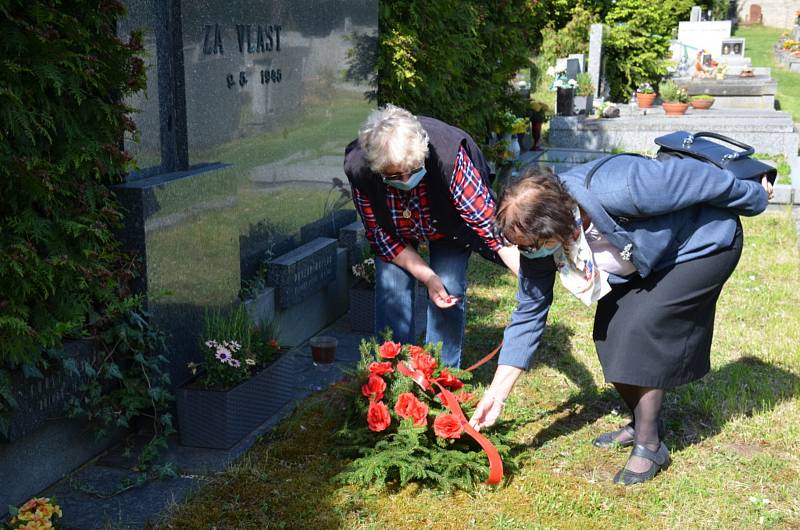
217, 419
362, 306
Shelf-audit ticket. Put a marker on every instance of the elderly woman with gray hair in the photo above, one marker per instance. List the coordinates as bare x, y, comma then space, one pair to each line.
418, 179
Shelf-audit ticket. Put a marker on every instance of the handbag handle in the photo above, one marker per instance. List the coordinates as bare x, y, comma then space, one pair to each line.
747, 150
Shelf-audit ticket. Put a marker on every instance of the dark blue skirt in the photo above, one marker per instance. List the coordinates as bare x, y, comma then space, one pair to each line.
656, 331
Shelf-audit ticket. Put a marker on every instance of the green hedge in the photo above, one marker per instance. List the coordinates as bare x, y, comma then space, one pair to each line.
63, 76
453, 60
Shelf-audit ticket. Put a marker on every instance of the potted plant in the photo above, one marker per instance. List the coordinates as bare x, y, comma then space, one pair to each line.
505, 123
362, 293
539, 113
230, 394
519, 129
584, 94
675, 99
701, 101
645, 95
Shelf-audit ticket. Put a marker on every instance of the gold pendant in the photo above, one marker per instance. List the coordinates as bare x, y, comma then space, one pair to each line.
406, 214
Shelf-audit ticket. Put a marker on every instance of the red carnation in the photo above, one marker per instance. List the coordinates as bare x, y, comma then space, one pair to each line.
408, 406
464, 397
378, 418
424, 363
389, 349
447, 426
380, 368
416, 350
448, 380
374, 388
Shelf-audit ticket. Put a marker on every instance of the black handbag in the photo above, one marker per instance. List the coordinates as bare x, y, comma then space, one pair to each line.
682, 144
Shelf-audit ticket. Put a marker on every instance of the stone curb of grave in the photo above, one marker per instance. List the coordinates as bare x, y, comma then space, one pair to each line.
87, 495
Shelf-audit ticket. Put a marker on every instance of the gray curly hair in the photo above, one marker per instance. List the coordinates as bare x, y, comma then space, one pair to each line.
392, 136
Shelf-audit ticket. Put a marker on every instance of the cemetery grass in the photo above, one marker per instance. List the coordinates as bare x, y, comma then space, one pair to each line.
759, 47
734, 435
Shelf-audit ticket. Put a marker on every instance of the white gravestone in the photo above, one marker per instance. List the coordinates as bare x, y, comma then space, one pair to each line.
702, 36
696, 15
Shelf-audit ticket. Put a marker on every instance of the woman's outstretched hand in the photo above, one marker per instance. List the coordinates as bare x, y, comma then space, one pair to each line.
488, 410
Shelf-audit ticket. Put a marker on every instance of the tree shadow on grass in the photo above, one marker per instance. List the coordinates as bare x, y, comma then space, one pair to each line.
693, 412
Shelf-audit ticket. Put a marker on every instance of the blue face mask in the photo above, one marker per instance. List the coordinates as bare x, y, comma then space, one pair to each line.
411, 183
540, 252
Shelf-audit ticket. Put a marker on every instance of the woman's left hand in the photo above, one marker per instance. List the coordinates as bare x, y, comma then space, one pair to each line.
767, 186
438, 293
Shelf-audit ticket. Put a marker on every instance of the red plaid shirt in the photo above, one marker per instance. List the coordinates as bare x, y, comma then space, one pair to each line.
468, 193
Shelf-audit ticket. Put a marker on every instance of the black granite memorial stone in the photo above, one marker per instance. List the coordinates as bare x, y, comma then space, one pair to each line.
303, 271
573, 68
266, 113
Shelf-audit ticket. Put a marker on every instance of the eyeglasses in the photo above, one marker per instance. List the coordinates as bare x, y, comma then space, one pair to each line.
399, 176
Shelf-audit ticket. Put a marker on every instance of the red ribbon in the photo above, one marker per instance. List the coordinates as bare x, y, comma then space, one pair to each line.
450, 401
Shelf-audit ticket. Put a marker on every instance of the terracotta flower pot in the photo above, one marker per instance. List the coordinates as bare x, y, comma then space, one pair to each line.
702, 104
675, 109
645, 101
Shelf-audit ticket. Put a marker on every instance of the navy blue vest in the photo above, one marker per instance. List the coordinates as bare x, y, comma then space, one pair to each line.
443, 146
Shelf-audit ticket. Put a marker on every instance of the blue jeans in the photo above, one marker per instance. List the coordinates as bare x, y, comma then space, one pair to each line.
395, 296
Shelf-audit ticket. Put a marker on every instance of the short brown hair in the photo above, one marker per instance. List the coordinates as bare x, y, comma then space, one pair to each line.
536, 208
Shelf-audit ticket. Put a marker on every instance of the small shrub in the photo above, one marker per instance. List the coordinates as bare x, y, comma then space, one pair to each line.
63, 80
585, 86
672, 93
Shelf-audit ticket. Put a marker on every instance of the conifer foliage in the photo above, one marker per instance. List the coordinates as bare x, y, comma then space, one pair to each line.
397, 432
63, 77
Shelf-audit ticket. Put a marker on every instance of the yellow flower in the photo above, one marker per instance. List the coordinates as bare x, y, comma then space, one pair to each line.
44, 510
28, 506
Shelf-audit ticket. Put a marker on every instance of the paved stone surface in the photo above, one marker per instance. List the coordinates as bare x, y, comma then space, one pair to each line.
88, 497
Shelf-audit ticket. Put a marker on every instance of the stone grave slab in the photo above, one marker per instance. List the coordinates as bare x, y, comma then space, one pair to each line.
353, 239
596, 59
573, 67
303, 271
